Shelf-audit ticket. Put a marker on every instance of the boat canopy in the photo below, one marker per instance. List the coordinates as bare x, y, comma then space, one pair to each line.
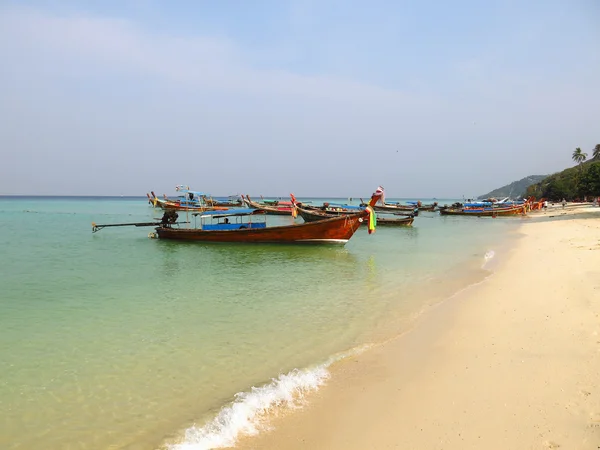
230, 212
473, 204
187, 190
338, 205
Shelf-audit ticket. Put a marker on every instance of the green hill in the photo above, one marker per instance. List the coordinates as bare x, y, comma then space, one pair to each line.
515, 189
573, 183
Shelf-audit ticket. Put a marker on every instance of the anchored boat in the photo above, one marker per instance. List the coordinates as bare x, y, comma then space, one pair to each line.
485, 212
276, 208
250, 226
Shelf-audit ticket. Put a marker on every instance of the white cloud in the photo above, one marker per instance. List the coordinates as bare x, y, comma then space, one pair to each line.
116, 45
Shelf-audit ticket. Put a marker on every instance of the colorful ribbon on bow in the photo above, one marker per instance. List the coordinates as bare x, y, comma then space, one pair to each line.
372, 220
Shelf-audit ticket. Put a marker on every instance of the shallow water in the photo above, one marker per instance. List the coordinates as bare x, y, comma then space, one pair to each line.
113, 339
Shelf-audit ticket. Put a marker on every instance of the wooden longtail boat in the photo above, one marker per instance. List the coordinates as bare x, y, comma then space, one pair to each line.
387, 208
329, 207
485, 212
269, 202
429, 208
224, 204
403, 222
334, 230
184, 205
190, 201
313, 215
278, 210
537, 205
316, 214
393, 207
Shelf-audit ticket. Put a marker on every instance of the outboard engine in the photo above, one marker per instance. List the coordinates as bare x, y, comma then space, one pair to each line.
169, 217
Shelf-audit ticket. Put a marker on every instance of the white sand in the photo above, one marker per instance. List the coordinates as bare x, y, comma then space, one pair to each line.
512, 363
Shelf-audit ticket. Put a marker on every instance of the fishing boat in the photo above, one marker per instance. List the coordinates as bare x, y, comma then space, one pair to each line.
231, 202
537, 205
189, 201
430, 208
279, 209
396, 221
314, 214
393, 207
485, 211
241, 226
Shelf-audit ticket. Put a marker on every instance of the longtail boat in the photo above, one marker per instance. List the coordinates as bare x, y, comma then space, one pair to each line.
189, 201
230, 203
185, 205
239, 226
313, 214
537, 205
393, 207
431, 207
485, 212
388, 207
397, 222
281, 209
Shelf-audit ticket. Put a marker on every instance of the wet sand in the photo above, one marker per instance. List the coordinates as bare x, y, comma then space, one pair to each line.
511, 363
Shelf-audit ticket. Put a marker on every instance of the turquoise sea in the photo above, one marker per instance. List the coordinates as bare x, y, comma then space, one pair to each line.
113, 340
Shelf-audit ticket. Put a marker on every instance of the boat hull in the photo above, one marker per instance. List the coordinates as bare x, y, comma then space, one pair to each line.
336, 230
404, 222
314, 215
398, 209
392, 209
270, 210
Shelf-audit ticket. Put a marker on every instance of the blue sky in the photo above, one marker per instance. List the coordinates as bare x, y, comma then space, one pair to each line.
427, 98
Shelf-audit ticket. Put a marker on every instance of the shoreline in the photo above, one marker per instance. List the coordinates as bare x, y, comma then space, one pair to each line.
507, 363
286, 392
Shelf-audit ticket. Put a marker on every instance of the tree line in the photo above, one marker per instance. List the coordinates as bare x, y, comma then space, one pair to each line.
575, 183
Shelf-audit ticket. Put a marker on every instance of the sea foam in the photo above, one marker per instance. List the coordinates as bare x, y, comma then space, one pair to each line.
246, 415
489, 255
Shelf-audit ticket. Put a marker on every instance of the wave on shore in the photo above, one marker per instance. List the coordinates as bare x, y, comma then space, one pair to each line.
246, 415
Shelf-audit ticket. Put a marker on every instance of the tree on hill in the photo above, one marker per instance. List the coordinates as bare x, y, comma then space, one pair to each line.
572, 183
590, 181
579, 156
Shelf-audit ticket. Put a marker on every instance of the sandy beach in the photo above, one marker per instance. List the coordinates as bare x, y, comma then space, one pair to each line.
510, 363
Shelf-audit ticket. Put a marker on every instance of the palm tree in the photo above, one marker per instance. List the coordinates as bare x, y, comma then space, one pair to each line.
596, 153
579, 157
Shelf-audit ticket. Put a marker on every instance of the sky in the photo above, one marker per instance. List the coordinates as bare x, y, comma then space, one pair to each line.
319, 98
